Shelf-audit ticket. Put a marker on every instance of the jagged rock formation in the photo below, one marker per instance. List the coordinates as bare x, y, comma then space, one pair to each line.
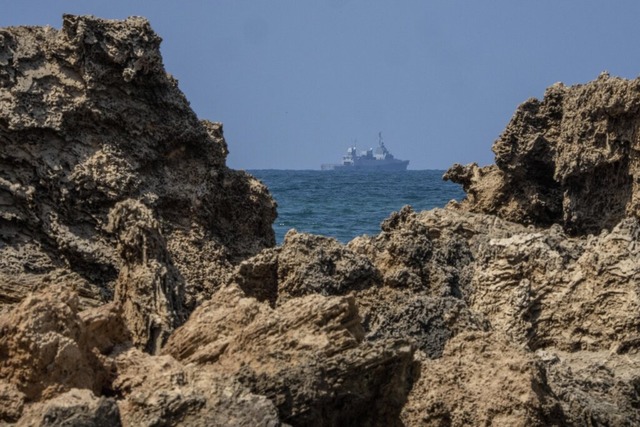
569, 159
304, 264
492, 383
149, 290
89, 119
45, 349
139, 285
77, 407
307, 356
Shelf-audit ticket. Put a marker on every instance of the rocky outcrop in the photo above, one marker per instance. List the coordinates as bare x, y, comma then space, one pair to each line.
45, 350
481, 379
308, 356
573, 294
159, 390
425, 279
568, 159
90, 119
139, 284
149, 289
77, 407
594, 387
118, 217
304, 264
458, 285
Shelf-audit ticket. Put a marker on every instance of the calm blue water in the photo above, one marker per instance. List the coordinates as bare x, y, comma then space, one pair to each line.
348, 204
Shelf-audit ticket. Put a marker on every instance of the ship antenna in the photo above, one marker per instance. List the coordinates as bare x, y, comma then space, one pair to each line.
380, 139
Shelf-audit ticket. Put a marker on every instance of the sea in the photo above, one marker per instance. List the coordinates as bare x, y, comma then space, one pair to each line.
346, 204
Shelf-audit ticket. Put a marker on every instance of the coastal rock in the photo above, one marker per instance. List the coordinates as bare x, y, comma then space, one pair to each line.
429, 323
409, 256
90, 119
158, 390
481, 379
426, 275
304, 264
545, 289
595, 387
307, 356
76, 407
12, 402
400, 279
44, 349
139, 284
568, 159
149, 289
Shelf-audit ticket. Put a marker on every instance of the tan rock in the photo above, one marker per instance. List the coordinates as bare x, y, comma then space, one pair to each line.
119, 219
568, 159
158, 390
544, 289
44, 349
12, 402
304, 264
76, 407
149, 290
307, 356
595, 387
481, 379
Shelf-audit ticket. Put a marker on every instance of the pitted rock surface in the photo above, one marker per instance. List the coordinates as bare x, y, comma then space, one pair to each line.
569, 159
89, 119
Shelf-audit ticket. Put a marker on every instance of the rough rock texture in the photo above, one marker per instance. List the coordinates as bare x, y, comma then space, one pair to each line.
138, 285
595, 388
481, 379
304, 264
76, 407
425, 277
406, 282
90, 119
149, 289
307, 356
574, 294
12, 402
44, 347
161, 391
569, 159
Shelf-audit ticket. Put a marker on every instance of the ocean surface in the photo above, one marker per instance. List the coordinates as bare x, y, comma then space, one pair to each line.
344, 204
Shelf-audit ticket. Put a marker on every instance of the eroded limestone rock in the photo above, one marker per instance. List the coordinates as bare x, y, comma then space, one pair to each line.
569, 159
139, 285
149, 289
44, 349
76, 407
481, 379
595, 387
307, 356
304, 264
90, 119
159, 390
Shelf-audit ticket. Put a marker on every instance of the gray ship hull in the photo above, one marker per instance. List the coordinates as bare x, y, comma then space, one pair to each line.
372, 165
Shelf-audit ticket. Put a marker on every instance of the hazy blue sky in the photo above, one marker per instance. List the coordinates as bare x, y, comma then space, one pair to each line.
295, 81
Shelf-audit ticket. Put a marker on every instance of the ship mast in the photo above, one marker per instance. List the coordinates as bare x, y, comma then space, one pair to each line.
385, 152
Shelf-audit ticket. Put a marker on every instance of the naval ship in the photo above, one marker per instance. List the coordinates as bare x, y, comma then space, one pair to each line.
381, 160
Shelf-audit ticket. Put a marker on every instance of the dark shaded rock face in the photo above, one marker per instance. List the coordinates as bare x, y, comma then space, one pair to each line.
569, 159
304, 264
88, 119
